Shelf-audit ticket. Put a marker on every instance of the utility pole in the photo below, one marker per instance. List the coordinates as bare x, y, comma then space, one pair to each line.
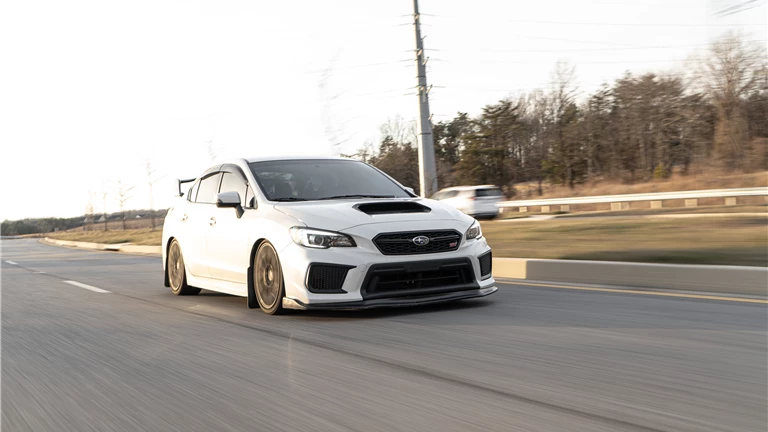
427, 170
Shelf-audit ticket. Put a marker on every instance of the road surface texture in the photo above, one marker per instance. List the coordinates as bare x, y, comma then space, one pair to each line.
131, 356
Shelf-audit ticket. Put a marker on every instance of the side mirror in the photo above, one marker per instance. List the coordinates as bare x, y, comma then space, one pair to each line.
230, 200
410, 191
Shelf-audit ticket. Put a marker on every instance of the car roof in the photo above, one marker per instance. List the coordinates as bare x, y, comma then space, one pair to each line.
281, 158
462, 188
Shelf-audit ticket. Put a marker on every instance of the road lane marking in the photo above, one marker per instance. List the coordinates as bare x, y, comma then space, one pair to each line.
654, 293
12, 263
88, 287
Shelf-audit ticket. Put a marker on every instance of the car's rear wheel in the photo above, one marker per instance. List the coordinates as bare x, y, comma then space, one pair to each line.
268, 279
177, 273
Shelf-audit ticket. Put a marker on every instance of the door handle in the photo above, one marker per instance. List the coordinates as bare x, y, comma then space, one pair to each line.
212, 222
183, 218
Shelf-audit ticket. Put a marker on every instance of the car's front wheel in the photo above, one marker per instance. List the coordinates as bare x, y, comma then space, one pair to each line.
268, 279
177, 273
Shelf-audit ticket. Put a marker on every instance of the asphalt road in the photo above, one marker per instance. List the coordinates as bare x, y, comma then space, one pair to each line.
138, 358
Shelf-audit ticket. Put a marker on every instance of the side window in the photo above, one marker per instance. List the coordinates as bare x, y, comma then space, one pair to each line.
192, 194
231, 182
438, 196
450, 194
490, 192
209, 187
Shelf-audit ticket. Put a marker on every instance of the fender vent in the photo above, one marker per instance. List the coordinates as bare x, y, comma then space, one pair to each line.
377, 208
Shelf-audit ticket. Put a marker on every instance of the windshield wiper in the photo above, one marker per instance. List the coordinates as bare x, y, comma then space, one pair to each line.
356, 196
289, 199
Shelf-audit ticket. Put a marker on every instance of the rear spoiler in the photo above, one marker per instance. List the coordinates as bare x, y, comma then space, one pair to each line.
179, 182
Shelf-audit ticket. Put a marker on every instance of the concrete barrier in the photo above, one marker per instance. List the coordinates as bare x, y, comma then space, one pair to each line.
148, 250
722, 279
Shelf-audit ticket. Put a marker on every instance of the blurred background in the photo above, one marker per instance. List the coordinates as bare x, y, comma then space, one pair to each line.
106, 104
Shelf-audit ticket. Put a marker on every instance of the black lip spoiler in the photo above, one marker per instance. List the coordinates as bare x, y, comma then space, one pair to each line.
396, 302
179, 182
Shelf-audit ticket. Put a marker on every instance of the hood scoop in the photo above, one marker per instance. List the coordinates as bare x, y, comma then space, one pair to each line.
392, 207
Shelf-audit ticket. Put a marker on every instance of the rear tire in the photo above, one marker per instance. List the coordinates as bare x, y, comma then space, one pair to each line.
177, 273
268, 279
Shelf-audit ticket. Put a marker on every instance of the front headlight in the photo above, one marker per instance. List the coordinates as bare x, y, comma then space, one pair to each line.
319, 239
474, 231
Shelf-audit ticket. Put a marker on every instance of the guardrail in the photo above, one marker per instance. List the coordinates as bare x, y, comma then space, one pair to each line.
621, 202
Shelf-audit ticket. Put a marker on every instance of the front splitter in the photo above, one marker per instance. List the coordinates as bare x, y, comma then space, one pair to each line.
393, 302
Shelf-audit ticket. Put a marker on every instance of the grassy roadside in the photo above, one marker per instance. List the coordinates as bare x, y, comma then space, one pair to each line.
672, 211
144, 237
738, 240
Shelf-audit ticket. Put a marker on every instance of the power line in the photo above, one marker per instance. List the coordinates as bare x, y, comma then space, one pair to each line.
631, 24
584, 49
326, 70
496, 61
615, 24
740, 7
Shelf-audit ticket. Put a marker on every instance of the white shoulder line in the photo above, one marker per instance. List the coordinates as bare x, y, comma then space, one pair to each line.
12, 263
88, 287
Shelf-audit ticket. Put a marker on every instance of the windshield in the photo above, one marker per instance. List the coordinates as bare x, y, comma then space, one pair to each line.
305, 180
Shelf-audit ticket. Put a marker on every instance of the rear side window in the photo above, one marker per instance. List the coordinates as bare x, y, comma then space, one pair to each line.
450, 194
192, 195
209, 187
488, 192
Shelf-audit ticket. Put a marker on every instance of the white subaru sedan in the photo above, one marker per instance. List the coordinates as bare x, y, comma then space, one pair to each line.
320, 233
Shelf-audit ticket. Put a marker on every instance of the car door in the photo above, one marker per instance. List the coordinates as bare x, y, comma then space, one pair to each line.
228, 240
197, 225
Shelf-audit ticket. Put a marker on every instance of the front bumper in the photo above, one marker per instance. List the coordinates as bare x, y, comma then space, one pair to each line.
363, 259
396, 302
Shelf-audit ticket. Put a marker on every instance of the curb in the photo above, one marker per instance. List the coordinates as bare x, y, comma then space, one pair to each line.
122, 247
703, 278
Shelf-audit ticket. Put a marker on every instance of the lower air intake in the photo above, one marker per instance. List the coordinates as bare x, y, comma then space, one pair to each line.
486, 265
326, 278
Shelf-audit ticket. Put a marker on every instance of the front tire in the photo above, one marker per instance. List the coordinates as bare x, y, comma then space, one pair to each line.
177, 273
268, 279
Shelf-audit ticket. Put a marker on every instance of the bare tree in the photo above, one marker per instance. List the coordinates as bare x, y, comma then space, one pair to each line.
122, 198
89, 212
104, 195
364, 153
400, 130
561, 113
728, 75
151, 180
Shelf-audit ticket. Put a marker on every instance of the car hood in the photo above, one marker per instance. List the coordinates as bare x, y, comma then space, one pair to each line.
339, 215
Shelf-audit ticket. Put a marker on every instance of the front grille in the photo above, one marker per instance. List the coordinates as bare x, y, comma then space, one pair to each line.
486, 265
326, 278
401, 243
418, 278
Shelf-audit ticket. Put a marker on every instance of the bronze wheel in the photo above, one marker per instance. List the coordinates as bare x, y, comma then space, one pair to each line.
177, 273
268, 279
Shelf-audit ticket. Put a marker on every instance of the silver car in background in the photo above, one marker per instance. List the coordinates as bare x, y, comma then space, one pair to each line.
476, 201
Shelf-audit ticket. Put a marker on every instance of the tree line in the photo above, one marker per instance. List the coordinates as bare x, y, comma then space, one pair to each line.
88, 220
638, 128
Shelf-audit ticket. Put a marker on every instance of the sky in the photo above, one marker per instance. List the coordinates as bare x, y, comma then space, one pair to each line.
93, 90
